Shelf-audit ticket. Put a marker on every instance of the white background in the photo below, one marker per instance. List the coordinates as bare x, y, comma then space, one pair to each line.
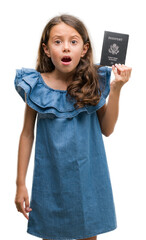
21, 25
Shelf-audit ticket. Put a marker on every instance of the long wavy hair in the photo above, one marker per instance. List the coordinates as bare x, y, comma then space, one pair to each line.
84, 86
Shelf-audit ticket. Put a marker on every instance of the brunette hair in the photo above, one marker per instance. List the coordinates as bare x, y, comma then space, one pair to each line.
85, 86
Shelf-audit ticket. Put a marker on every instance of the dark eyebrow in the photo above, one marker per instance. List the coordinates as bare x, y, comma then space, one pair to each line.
55, 36
76, 36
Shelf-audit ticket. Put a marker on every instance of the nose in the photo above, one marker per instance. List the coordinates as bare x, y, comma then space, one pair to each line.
66, 47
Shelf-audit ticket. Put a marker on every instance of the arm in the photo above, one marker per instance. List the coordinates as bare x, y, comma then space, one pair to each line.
24, 152
108, 114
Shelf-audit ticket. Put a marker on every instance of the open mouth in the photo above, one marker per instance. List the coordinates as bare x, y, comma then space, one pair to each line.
66, 59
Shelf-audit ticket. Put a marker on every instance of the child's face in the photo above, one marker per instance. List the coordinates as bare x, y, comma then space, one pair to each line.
65, 47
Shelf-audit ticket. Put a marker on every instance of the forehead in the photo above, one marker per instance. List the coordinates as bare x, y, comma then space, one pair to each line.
63, 29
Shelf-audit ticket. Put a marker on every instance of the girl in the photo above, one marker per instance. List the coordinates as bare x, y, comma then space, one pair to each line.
71, 192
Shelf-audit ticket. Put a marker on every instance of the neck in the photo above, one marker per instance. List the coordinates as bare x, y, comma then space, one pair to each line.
63, 77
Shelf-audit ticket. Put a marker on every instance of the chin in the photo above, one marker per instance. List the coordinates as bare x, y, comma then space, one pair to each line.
67, 70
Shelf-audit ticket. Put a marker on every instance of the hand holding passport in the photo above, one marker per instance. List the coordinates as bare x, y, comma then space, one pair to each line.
114, 48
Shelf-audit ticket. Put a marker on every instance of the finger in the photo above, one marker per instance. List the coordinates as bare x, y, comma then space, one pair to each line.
127, 68
120, 67
23, 211
127, 71
114, 69
18, 209
124, 72
18, 206
27, 208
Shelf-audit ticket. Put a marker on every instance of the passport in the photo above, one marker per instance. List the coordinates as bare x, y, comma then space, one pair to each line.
114, 48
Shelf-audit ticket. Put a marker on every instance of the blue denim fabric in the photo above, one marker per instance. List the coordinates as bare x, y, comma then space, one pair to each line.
71, 193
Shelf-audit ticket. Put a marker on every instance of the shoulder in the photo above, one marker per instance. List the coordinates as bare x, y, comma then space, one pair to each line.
104, 77
25, 73
103, 69
43, 99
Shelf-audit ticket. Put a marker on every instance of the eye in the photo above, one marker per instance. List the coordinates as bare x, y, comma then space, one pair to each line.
74, 42
57, 42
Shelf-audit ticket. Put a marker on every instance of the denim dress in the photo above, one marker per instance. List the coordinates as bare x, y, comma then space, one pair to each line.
71, 195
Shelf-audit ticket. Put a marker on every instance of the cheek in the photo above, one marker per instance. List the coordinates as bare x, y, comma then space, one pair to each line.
77, 54
54, 52
54, 55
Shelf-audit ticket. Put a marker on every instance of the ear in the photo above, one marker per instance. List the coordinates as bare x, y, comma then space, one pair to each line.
85, 49
46, 50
